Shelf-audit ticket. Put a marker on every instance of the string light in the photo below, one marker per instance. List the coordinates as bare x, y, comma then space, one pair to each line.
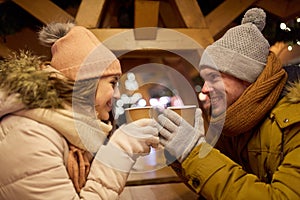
282, 26
290, 33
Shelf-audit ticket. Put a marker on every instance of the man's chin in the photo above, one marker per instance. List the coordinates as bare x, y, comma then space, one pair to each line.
217, 112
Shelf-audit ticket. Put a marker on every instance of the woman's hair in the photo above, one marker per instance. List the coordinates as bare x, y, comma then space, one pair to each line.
83, 100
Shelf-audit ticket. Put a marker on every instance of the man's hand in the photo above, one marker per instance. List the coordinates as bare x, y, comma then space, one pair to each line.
177, 135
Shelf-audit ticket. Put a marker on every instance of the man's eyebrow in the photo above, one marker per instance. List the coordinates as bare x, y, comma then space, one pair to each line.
212, 73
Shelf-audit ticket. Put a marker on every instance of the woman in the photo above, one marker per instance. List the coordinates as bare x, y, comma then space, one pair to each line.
53, 136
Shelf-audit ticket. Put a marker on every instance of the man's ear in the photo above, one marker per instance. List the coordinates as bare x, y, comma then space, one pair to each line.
246, 83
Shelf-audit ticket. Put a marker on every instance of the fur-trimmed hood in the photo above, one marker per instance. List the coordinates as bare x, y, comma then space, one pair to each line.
292, 88
25, 84
293, 92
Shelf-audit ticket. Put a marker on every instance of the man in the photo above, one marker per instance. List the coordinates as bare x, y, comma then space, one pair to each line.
257, 111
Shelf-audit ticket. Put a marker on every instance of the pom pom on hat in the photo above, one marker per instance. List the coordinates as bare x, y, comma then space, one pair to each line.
53, 31
77, 53
242, 51
255, 16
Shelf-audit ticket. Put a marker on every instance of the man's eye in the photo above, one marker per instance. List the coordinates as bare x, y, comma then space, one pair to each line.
214, 76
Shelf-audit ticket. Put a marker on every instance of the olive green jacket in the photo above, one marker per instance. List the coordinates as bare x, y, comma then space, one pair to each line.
270, 168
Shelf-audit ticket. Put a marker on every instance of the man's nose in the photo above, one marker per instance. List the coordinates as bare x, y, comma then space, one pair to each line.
206, 88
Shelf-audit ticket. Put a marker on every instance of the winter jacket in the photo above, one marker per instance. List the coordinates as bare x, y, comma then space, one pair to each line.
270, 169
34, 156
34, 151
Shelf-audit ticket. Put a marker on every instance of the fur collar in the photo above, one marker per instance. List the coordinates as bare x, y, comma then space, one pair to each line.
23, 74
292, 90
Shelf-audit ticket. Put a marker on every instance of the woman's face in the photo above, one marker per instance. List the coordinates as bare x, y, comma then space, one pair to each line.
107, 90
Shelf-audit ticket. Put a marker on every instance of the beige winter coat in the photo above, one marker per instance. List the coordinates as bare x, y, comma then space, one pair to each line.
33, 155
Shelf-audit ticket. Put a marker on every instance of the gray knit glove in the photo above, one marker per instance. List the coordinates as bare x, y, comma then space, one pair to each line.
178, 136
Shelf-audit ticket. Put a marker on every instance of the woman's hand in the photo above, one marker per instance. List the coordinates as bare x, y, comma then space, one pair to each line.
137, 137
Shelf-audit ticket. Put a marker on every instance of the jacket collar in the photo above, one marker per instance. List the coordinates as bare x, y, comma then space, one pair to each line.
81, 131
287, 110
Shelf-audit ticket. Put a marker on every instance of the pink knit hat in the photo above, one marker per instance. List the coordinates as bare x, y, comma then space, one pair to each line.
77, 53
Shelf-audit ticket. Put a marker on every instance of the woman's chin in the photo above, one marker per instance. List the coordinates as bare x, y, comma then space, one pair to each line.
103, 116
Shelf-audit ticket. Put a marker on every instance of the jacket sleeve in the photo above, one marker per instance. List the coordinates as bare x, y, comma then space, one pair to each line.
108, 174
215, 176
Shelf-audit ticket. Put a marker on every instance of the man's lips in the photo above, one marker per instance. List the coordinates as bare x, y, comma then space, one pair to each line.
215, 100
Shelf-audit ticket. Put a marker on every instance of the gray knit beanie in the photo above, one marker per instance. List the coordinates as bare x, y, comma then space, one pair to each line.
243, 51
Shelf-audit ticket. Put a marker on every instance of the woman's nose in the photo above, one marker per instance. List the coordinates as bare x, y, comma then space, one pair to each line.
116, 94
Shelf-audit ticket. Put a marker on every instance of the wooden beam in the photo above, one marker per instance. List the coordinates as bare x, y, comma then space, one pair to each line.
167, 39
104, 34
293, 9
281, 8
44, 10
201, 36
89, 13
276, 7
146, 13
191, 13
225, 13
169, 15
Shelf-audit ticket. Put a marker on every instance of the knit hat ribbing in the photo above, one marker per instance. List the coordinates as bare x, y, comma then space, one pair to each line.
242, 52
77, 53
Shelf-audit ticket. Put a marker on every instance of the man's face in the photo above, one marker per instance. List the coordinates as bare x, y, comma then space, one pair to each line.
222, 89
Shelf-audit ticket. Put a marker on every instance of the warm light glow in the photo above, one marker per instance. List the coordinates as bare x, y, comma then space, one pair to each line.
135, 97
120, 103
142, 103
283, 26
125, 99
131, 76
164, 100
198, 88
298, 19
154, 102
290, 48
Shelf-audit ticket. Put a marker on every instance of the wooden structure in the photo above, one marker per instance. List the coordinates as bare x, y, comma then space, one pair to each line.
180, 16
184, 16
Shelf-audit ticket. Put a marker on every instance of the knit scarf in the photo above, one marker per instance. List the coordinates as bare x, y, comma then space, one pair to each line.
256, 101
79, 162
78, 166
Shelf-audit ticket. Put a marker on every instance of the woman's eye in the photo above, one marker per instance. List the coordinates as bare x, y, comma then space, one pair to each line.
114, 84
